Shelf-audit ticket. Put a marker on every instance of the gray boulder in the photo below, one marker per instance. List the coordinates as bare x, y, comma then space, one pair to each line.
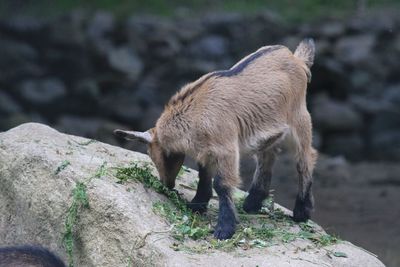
384, 122
124, 106
23, 25
391, 98
39, 169
15, 52
18, 59
355, 49
45, 91
209, 47
332, 115
386, 145
347, 144
8, 104
68, 30
125, 60
101, 24
332, 29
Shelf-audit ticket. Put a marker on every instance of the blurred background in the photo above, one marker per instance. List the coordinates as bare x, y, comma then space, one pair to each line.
88, 67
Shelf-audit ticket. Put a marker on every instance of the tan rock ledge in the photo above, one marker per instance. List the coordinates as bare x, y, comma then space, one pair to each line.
39, 167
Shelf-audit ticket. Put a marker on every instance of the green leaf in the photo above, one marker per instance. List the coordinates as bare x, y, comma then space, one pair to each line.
258, 243
340, 254
62, 166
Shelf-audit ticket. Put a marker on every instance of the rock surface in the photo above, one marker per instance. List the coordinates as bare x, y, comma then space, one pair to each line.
120, 227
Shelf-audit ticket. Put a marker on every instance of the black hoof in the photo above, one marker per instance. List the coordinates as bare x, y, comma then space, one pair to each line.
253, 202
224, 232
302, 210
197, 207
301, 215
251, 206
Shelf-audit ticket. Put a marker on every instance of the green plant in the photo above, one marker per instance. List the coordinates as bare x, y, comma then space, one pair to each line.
271, 226
182, 171
62, 166
144, 175
186, 223
80, 200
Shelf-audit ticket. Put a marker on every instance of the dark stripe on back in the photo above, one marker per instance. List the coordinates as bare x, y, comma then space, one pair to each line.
239, 68
227, 73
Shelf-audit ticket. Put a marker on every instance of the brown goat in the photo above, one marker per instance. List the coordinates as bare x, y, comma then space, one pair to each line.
249, 108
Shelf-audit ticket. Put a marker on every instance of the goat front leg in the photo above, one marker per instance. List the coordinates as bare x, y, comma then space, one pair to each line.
224, 183
204, 191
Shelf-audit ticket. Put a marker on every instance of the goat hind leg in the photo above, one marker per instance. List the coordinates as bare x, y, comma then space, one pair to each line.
304, 201
259, 189
306, 158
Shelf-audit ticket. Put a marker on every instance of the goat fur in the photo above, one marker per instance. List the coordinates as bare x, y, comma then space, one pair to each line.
249, 108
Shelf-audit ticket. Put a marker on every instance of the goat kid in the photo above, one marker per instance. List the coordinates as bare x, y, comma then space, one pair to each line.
249, 108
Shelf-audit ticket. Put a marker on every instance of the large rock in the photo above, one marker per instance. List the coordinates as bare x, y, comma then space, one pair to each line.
386, 145
8, 104
332, 115
332, 29
209, 47
101, 24
42, 92
125, 60
355, 49
119, 228
68, 30
18, 59
349, 144
23, 26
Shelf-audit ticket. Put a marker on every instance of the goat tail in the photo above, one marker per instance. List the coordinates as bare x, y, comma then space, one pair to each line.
305, 51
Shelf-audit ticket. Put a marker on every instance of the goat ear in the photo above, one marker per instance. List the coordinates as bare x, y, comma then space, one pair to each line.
145, 137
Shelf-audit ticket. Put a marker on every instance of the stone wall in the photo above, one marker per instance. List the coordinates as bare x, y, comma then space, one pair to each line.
87, 74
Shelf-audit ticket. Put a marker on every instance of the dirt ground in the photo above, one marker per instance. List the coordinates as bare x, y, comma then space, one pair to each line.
359, 202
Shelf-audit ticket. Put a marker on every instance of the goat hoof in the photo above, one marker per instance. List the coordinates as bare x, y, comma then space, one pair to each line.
301, 211
253, 202
224, 232
251, 206
196, 207
301, 216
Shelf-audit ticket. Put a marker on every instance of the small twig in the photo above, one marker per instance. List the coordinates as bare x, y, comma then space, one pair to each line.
194, 219
142, 241
254, 215
161, 238
188, 187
